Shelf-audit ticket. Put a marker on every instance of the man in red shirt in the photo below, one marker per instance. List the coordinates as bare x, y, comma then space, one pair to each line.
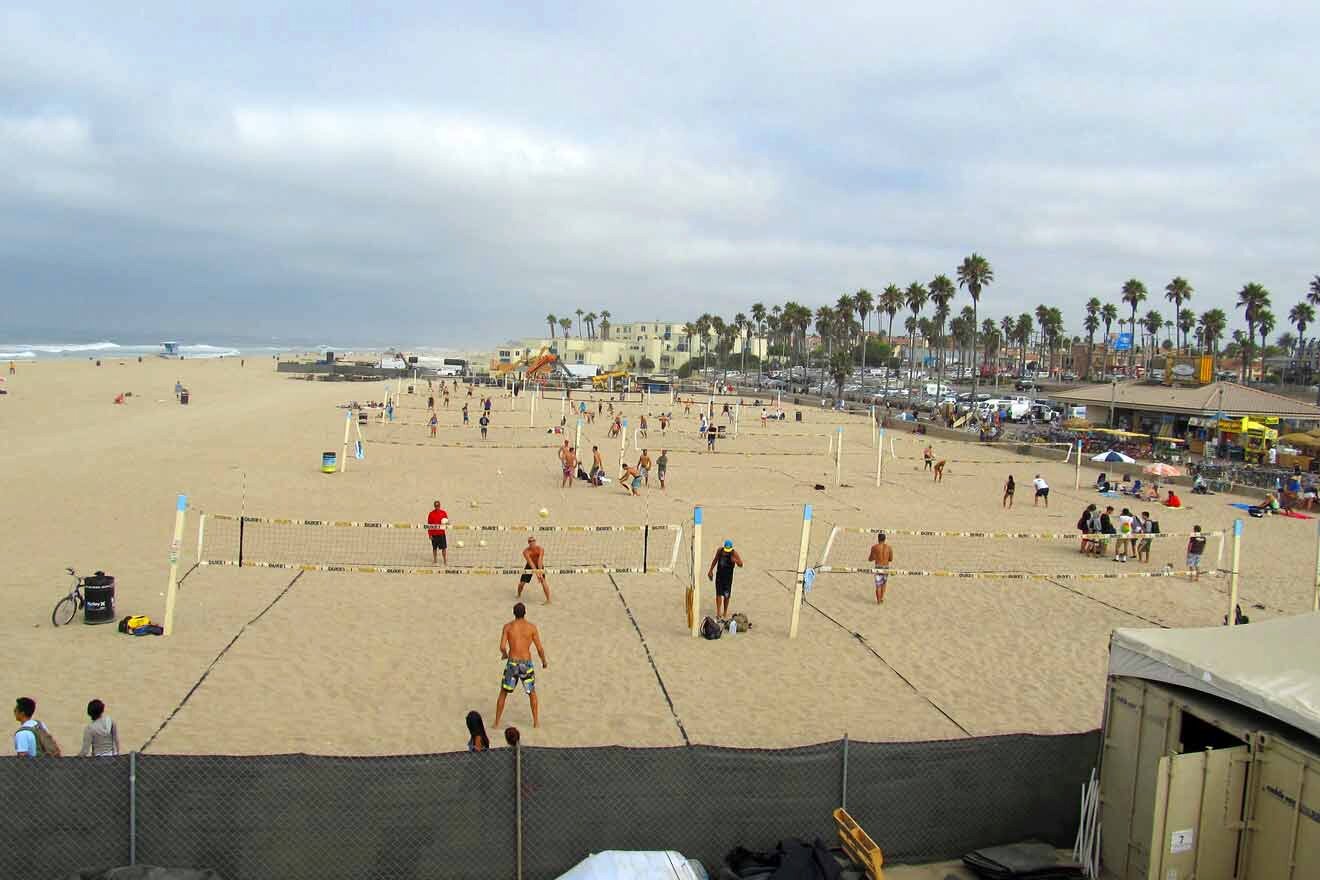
438, 517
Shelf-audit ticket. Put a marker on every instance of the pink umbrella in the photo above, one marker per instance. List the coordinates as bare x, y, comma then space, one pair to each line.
1159, 469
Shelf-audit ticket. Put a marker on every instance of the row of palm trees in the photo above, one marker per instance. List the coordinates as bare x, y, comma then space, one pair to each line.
842, 328
584, 318
1209, 327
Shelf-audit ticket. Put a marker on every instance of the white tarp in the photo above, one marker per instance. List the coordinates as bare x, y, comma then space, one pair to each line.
1272, 666
635, 865
580, 371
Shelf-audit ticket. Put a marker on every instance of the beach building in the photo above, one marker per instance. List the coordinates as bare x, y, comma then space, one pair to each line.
1235, 421
641, 345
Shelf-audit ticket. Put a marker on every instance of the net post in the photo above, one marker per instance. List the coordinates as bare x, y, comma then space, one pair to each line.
242, 521
646, 545
1233, 573
343, 453
531, 418
563, 401
180, 513
201, 531
880, 458
694, 592
1077, 472
737, 407
800, 577
838, 459
871, 411
578, 445
132, 807
1315, 600
623, 445
1219, 555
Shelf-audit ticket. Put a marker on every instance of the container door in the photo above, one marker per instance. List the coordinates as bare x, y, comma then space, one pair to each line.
1198, 809
1137, 733
1285, 822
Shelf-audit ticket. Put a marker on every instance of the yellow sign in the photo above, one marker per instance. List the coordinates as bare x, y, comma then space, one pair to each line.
1197, 369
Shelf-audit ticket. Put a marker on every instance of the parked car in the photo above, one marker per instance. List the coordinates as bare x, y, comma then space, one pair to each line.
1026, 385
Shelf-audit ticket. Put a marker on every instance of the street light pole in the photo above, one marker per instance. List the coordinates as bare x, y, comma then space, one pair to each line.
1113, 394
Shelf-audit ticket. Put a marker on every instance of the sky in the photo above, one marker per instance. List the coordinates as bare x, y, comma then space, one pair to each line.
442, 174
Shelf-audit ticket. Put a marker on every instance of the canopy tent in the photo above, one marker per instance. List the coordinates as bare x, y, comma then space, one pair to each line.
1272, 667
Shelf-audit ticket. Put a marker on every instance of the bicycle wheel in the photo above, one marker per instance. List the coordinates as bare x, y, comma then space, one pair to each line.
65, 610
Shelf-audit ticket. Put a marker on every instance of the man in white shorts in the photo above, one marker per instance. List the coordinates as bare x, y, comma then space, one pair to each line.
882, 556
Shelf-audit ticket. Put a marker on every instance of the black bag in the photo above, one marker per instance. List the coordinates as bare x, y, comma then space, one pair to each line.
1238, 617
710, 629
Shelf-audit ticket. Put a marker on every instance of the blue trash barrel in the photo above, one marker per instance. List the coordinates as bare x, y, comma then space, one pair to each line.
329, 462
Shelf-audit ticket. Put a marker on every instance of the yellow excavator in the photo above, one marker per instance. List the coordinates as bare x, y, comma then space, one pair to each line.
534, 364
606, 380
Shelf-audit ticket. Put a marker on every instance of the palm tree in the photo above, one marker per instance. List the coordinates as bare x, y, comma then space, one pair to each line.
604, 323
1301, 316
1108, 316
690, 330
740, 326
758, 316
1091, 323
863, 303
942, 293
989, 340
1252, 298
590, 318
1151, 323
1186, 324
915, 298
1213, 323
553, 322
703, 329
891, 300
567, 325
1178, 291
1042, 319
1134, 294
839, 367
1022, 336
975, 274
1265, 325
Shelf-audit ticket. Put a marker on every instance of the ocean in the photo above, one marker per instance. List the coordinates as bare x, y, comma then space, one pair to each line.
107, 349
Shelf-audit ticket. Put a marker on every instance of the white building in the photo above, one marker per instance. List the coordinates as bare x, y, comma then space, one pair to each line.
641, 345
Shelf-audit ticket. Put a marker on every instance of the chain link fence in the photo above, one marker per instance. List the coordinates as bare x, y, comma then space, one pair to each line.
531, 814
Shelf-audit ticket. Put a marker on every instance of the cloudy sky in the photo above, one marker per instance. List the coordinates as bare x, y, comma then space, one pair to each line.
431, 173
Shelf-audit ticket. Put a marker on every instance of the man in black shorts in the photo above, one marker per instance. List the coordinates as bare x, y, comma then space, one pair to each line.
439, 519
534, 564
726, 558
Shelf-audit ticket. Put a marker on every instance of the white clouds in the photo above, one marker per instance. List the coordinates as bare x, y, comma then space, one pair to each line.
691, 158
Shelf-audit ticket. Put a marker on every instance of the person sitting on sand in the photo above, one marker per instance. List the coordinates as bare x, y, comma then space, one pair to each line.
1173, 500
1269, 506
1102, 482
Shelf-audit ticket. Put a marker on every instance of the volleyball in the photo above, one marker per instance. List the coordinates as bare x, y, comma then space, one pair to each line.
482, 543
544, 513
460, 543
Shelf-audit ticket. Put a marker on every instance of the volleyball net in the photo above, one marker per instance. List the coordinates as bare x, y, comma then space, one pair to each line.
1002, 554
412, 548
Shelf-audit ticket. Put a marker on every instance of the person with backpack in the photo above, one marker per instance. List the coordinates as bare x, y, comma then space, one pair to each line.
101, 737
32, 739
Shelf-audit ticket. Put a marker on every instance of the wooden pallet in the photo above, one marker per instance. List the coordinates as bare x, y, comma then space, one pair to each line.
859, 845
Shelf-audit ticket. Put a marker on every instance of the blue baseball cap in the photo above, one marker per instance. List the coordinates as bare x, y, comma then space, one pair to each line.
728, 545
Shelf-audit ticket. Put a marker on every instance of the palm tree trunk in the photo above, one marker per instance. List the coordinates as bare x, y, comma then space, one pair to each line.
976, 374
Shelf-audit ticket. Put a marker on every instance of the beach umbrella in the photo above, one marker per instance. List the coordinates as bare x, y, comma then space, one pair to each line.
1300, 439
1159, 469
1114, 455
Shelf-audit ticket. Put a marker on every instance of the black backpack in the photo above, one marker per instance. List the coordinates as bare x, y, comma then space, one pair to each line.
710, 629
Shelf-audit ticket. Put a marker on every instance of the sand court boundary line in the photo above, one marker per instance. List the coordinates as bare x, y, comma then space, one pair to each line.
867, 645
651, 659
215, 662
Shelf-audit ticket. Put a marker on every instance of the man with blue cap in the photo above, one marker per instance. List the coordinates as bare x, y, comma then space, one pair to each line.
721, 571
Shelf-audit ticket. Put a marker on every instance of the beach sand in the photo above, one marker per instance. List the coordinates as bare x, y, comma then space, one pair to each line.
325, 662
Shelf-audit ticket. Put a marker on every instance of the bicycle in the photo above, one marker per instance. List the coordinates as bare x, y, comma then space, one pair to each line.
67, 608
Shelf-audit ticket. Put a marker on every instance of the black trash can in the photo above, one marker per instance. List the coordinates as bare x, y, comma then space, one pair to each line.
183, 397
99, 598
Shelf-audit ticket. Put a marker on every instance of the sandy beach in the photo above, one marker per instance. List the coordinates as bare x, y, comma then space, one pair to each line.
318, 662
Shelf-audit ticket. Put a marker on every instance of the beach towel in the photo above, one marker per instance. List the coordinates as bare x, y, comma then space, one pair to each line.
1291, 514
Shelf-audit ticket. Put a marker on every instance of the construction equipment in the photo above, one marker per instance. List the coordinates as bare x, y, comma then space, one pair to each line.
606, 380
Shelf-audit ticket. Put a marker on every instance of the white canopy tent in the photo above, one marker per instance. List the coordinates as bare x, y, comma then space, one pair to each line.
1272, 666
